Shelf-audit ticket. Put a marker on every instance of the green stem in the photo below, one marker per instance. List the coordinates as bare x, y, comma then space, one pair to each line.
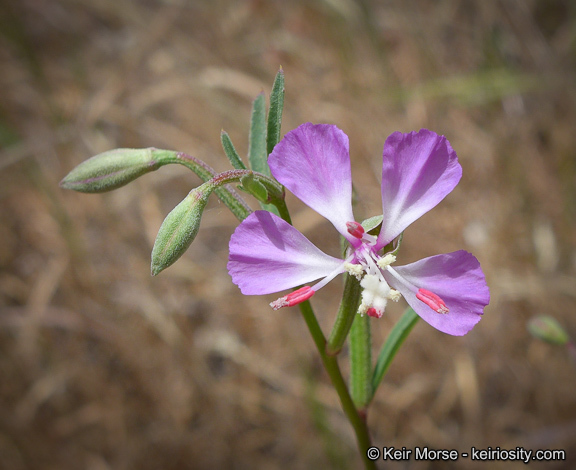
274, 189
361, 362
346, 314
356, 418
227, 194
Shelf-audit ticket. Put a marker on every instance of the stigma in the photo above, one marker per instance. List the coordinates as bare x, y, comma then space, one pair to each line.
375, 295
293, 298
355, 229
432, 300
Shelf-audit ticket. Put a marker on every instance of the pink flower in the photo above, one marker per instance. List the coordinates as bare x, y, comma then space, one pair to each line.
419, 169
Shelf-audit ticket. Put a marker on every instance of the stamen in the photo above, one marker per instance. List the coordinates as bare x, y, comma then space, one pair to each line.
432, 300
355, 270
386, 261
355, 229
394, 295
294, 298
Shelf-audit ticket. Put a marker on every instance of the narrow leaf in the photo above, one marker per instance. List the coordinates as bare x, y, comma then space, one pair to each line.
257, 155
395, 339
230, 151
275, 112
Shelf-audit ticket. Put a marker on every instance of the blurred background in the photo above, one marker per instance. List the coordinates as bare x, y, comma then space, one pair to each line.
104, 367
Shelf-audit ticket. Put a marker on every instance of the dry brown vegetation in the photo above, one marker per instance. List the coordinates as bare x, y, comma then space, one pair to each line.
104, 367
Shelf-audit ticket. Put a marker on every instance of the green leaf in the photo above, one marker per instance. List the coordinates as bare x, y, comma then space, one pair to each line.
257, 155
179, 228
395, 339
230, 151
275, 112
252, 186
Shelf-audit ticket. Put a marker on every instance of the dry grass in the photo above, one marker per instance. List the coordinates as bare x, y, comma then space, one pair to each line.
104, 367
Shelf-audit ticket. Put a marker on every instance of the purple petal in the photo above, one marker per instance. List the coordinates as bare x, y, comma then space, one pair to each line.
418, 170
269, 255
313, 162
456, 278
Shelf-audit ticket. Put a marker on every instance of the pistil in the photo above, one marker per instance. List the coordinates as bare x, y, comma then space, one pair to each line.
293, 298
432, 300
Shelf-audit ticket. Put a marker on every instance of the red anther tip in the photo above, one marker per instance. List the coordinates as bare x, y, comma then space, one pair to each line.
294, 298
355, 229
372, 312
432, 300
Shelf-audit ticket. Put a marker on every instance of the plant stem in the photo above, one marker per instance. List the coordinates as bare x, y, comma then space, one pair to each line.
361, 362
356, 418
227, 194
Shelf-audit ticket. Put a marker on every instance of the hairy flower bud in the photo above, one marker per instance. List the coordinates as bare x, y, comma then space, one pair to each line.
548, 329
179, 229
110, 170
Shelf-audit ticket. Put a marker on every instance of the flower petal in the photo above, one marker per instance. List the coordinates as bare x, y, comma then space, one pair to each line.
269, 255
313, 162
457, 279
418, 170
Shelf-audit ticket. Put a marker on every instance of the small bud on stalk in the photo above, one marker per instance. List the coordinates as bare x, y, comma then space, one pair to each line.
548, 329
179, 228
111, 170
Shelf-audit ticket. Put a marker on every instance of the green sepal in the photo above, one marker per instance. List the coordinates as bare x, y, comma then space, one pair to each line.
179, 228
252, 186
275, 112
397, 335
111, 170
373, 225
231, 152
257, 155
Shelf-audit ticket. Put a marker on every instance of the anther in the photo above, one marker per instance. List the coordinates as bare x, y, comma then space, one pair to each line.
386, 260
355, 229
432, 300
355, 270
293, 298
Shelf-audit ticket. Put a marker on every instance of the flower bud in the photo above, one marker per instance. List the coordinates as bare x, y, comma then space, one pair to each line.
548, 329
110, 170
179, 229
